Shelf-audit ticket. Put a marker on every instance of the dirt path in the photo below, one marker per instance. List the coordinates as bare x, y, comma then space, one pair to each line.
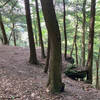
21, 81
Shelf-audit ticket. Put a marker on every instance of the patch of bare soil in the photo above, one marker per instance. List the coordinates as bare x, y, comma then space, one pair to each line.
21, 81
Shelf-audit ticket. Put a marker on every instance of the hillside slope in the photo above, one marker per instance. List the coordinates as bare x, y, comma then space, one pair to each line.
21, 81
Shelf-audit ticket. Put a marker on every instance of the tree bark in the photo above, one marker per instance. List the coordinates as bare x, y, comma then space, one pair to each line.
35, 33
48, 57
40, 32
72, 47
83, 34
97, 73
74, 43
33, 57
5, 40
13, 32
55, 80
91, 42
76, 48
64, 23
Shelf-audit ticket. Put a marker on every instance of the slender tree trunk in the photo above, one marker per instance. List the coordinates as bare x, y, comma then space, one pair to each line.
35, 33
76, 48
5, 40
83, 34
65, 35
40, 32
97, 73
10, 36
48, 57
55, 80
14, 37
33, 57
74, 43
91, 42
72, 47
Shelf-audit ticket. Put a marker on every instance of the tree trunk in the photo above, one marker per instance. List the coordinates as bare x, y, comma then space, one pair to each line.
76, 49
35, 33
65, 35
5, 40
55, 80
74, 43
83, 34
91, 42
40, 32
72, 47
13, 32
97, 73
33, 57
48, 57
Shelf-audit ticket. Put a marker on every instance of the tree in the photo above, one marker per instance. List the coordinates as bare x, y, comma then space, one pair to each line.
55, 81
33, 57
13, 34
39, 29
91, 42
83, 33
76, 48
75, 42
5, 40
97, 71
64, 22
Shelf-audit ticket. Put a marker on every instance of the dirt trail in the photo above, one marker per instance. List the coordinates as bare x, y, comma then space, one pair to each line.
21, 81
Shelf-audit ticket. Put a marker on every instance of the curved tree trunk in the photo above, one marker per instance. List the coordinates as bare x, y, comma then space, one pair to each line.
40, 32
91, 42
5, 40
55, 80
33, 57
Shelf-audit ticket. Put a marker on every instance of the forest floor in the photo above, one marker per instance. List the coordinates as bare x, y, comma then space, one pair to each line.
21, 81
